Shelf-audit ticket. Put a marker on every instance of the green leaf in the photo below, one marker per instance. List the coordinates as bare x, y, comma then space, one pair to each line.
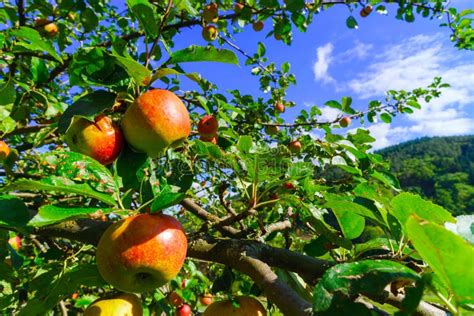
406, 204
13, 212
333, 104
385, 117
367, 277
131, 166
51, 287
51, 214
169, 71
203, 53
346, 104
137, 71
143, 10
449, 255
351, 223
245, 143
185, 5
166, 198
7, 93
386, 178
88, 107
58, 184
89, 20
34, 42
352, 23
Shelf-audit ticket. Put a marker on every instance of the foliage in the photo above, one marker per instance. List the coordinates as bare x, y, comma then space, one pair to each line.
440, 169
302, 213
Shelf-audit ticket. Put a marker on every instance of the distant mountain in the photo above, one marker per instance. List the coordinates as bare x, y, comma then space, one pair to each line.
439, 168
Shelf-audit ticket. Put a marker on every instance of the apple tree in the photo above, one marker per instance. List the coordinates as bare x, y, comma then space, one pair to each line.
198, 194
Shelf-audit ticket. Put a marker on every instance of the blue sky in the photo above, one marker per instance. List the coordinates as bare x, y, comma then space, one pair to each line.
331, 61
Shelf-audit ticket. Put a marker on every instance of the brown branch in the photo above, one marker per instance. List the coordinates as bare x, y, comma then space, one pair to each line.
27, 129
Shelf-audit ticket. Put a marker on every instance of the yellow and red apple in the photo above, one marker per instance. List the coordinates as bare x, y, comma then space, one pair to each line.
4, 150
124, 304
156, 120
101, 139
248, 306
210, 33
345, 121
142, 252
294, 146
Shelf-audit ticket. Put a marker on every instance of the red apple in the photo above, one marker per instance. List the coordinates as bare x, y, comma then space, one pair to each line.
184, 310
366, 11
294, 146
46, 27
15, 242
257, 26
175, 299
289, 186
142, 252
345, 121
155, 121
206, 299
4, 150
280, 107
101, 139
208, 126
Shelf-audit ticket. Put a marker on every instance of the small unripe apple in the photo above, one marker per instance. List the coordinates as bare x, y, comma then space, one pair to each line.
184, 310
238, 7
15, 242
156, 120
257, 26
272, 129
46, 27
120, 305
206, 299
101, 139
294, 146
210, 33
366, 11
175, 299
210, 13
208, 126
4, 150
247, 306
278, 37
289, 186
142, 252
210, 138
345, 121
280, 107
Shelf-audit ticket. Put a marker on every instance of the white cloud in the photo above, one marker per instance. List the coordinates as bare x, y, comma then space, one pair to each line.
321, 66
411, 64
360, 50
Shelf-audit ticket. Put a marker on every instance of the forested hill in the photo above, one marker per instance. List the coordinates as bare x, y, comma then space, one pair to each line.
439, 168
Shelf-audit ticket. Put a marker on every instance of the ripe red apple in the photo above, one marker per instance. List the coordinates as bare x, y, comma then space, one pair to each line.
101, 139
294, 146
4, 150
120, 305
210, 33
15, 242
280, 107
366, 11
272, 129
208, 126
175, 299
49, 29
142, 252
156, 120
210, 13
289, 186
247, 306
345, 121
184, 310
206, 299
257, 26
